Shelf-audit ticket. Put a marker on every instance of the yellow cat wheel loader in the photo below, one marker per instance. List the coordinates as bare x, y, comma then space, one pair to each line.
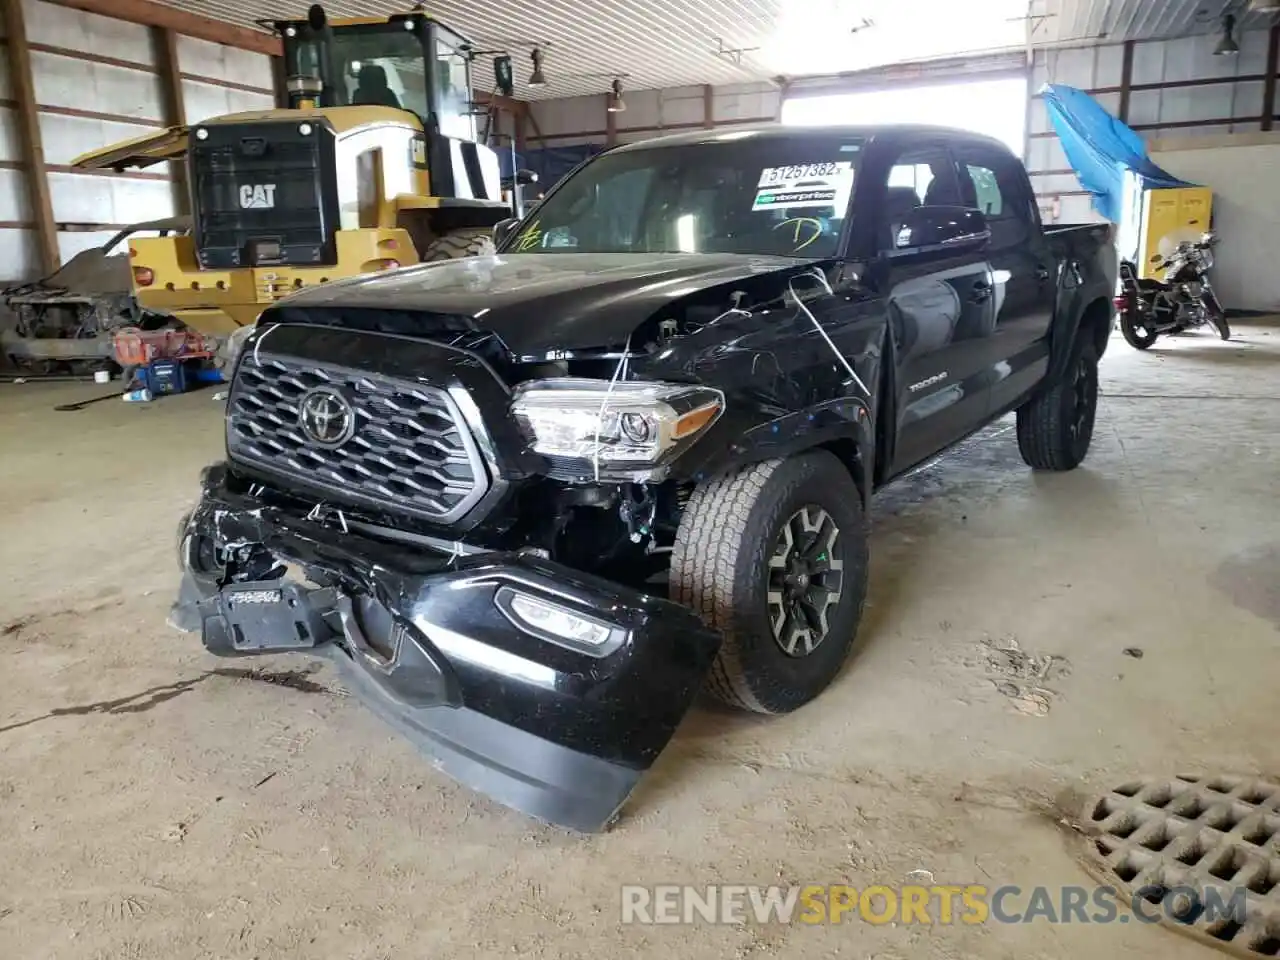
374, 164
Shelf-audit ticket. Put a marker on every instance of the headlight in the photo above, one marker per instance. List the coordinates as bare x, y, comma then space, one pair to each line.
627, 430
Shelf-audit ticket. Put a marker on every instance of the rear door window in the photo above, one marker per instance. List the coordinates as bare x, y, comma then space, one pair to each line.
996, 184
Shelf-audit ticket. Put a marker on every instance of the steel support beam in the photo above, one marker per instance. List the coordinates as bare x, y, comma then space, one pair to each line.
1126, 80
610, 122
1269, 82
175, 108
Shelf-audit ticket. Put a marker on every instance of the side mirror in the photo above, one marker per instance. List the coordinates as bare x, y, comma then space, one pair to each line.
503, 230
504, 75
952, 228
526, 177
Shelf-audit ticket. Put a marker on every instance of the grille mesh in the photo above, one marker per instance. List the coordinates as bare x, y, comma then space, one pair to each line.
1199, 833
410, 451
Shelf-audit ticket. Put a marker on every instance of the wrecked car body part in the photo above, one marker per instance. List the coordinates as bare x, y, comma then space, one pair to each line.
65, 321
21, 351
549, 689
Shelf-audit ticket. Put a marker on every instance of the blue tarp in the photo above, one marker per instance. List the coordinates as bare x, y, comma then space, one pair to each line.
1101, 149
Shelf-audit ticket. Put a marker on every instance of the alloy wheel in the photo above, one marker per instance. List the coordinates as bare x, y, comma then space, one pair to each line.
1084, 392
806, 580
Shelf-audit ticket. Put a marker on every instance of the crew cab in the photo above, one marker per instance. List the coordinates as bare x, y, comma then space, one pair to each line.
531, 503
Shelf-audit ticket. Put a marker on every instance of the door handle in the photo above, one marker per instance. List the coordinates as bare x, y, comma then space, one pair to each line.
1042, 273
981, 292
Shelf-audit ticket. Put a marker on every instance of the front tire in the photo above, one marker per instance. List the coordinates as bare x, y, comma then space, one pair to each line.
774, 557
1135, 333
469, 242
1217, 316
1055, 427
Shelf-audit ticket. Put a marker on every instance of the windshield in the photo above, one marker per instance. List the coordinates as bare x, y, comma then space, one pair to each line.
377, 64
772, 195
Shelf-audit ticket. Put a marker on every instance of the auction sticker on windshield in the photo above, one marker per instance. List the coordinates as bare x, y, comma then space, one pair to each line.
804, 185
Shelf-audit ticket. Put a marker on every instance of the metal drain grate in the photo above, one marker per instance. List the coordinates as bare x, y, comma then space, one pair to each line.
1212, 835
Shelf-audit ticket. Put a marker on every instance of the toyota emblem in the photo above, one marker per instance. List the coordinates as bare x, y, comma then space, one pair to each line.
326, 417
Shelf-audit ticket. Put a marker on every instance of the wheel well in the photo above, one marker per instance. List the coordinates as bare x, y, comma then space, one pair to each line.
1096, 322
846, 450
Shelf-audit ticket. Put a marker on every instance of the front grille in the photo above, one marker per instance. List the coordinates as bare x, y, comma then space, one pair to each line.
410, 450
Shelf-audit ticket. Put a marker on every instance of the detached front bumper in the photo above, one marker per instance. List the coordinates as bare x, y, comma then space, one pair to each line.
548, 689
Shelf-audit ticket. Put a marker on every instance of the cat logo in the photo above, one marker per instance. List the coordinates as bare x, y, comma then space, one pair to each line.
258, 196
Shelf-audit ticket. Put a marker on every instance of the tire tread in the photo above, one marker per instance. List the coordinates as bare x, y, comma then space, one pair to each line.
1042, 434
468, 242
706, 554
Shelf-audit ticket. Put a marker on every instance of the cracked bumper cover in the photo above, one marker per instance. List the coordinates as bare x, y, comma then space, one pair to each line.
429, 643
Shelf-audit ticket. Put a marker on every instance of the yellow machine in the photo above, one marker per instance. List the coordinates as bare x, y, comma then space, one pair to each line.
374, 164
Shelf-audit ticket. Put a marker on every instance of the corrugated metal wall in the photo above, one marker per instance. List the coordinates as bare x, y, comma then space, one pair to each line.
97, 82
650, 113
1175, 86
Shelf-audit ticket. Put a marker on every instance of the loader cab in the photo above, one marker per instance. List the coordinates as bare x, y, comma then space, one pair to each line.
406, 62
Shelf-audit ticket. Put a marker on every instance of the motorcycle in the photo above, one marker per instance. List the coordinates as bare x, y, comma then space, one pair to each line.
1182, 301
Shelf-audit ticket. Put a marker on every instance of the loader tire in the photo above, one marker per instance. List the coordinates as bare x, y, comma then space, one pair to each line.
471, 242
756, 553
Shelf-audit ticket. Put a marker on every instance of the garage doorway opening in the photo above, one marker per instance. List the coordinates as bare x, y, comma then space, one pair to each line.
997, 108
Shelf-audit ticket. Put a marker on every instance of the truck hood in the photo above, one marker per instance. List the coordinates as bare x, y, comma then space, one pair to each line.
537, 302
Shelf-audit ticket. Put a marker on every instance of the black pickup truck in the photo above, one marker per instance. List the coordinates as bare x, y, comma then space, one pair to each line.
530, 504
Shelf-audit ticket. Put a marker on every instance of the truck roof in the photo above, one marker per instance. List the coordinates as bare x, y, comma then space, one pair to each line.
778, 131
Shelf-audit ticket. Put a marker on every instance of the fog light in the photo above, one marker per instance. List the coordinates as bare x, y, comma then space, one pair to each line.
202, 134
304, 129
558, 624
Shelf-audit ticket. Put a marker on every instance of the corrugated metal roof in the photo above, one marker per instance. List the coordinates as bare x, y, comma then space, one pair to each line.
666, 43
1114, 20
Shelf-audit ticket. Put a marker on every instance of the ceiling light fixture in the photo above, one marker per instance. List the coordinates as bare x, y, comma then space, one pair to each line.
733, 54
616, 103
536, 79
1227, 46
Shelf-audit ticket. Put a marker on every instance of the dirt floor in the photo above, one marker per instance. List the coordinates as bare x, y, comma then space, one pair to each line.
158, 803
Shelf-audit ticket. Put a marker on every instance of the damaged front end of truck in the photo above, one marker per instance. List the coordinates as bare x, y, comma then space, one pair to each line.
472, 518
546, 688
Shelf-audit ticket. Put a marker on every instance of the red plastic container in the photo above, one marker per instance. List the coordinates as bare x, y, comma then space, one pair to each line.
135, 347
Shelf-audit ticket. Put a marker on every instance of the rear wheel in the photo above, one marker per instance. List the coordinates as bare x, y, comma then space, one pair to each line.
774, 557
1136, 333
1056, 426
468, 242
